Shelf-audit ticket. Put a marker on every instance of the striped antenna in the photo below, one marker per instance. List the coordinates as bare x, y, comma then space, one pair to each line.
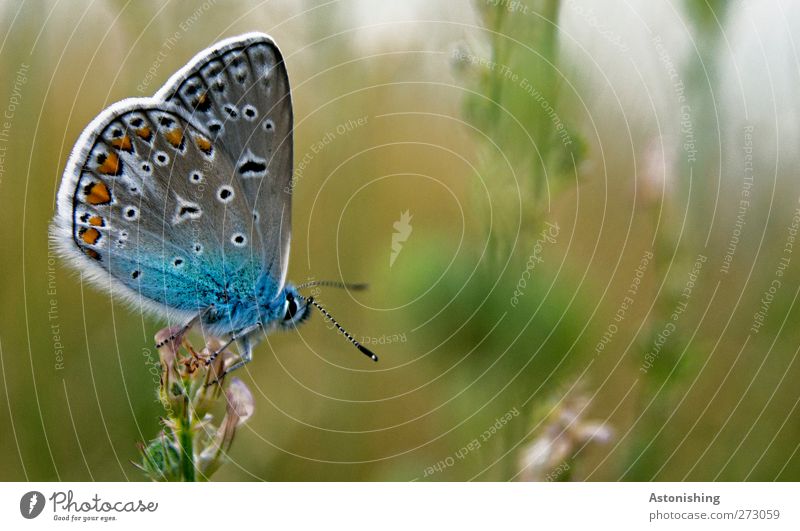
364, 350
333, 284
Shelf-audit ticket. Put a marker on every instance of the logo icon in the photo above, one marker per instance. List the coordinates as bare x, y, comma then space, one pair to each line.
402, 230
31, 504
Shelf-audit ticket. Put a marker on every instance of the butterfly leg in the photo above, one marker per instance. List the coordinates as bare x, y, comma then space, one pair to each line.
246, 349
185, 328
241, 336
246, 356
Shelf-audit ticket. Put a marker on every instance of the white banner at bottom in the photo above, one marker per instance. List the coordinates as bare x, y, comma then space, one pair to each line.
388, 506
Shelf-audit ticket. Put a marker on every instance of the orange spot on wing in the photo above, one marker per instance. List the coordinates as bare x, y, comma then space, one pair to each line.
175, 137
96, 221
111, 164
123, 143
89, 236
91, 253
97, 193
203, 144
145, 133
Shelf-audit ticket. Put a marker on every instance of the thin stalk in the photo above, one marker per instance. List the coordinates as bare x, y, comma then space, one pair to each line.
185, 436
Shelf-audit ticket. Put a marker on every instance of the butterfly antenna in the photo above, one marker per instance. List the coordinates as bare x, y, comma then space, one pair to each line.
367, 352
334, 284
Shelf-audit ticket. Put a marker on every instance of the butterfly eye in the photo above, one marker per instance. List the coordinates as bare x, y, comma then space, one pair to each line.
291, 308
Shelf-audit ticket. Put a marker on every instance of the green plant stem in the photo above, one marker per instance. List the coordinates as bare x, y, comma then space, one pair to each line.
185, 437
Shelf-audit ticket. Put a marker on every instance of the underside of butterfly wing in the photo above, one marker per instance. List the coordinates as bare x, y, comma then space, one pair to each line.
146, 200
238, 90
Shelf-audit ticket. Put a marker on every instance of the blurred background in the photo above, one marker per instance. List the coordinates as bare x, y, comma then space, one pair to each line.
577, 220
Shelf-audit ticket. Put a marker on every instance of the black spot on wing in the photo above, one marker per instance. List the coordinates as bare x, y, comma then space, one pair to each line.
252, 168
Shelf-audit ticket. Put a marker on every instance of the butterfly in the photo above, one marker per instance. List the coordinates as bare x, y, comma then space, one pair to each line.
181, 203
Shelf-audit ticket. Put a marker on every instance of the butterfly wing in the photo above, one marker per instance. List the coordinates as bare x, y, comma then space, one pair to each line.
148, 199
238, 90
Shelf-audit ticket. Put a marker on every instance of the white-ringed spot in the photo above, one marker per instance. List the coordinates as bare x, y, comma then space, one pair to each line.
161, 158
250, 113
131, 213
225, 194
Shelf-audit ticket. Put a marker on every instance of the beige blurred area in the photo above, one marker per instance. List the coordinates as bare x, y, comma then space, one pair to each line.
576, 220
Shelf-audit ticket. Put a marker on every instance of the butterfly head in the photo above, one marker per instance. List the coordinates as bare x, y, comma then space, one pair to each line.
296, 308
